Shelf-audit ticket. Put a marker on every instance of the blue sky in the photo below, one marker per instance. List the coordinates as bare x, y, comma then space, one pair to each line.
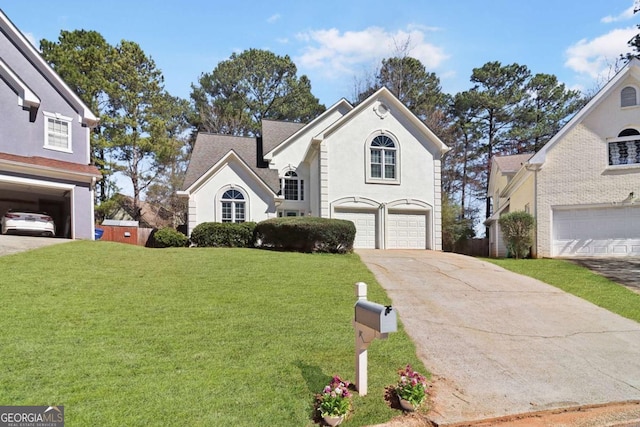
336, 42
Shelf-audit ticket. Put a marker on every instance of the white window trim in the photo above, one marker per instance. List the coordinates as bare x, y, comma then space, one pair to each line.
218, 203
59, 117
636, 93
300, 182
622, 139
368, 178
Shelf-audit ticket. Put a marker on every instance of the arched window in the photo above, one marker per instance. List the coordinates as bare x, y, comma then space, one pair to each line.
628, 97
383, 158
625, 150
292, 186
233, 206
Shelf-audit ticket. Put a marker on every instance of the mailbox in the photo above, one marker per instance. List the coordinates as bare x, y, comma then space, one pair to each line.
380, 318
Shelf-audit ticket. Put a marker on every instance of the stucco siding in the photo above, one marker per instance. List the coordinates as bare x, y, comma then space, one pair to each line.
348, 160
204, 203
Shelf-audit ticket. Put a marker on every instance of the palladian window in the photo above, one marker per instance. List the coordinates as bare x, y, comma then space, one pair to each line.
233, 206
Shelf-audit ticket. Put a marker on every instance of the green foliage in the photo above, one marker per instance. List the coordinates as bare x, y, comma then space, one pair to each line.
223, 234
455, 227
306, 234
251, 86
168, 237
412, 386
578, 281
335, 400
517, 231
223, 332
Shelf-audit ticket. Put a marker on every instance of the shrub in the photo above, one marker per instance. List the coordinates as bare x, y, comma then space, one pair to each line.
306, 234
168, 237
223, 234
517, 231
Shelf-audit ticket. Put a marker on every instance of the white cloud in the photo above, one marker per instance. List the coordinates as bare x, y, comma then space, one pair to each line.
627, 14
273, 18
595, 57
336, 53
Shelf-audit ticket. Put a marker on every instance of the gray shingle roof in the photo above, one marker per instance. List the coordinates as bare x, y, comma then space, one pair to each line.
511, 164
210, 148
274, 132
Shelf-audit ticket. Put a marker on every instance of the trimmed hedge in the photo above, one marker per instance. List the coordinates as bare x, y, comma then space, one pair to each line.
223, 234
306, 234
168, 237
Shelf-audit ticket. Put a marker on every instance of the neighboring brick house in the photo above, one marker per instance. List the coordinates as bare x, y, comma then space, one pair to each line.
583, 185
375, 164
44, 140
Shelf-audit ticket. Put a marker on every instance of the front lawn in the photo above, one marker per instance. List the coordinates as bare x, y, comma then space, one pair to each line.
124, 335
579, 281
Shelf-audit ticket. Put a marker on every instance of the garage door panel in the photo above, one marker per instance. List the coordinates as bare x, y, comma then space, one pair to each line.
406, 230
597, 232
366, 226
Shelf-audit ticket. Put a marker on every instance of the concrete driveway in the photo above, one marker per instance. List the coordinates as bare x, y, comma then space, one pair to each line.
499, 343
11, 244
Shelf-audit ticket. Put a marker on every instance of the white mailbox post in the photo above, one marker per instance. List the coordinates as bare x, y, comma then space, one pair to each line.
371, 321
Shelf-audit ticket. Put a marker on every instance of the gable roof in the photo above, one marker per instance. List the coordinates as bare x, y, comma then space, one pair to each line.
342, 104
210, 148
26, 48
390, 98
631, 68
509, 165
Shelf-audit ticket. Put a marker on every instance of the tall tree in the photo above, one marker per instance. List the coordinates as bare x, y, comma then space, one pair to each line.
546, 108
496, 95
251, 86
463, 165
83, 60
142, 119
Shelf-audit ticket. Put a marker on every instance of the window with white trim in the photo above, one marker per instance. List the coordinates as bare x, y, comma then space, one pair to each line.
383, 159
57, 132
628, 97
292, 186
625, 150
233, 206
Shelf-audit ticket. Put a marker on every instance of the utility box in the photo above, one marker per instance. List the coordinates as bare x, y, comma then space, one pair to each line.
380, 318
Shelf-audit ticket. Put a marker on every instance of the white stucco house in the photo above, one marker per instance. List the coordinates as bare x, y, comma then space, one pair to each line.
583, 185
375, 164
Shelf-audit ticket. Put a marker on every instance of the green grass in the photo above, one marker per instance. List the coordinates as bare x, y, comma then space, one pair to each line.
578, 281
124, 335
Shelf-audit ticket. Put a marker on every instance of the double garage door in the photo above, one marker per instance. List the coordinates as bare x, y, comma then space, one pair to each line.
597, 232
403, 230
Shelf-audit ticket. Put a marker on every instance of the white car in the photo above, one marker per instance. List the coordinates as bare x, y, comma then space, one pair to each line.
35, 223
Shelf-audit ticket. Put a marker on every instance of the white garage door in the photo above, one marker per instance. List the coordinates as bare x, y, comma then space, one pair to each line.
597, 232
365, 227
406, 231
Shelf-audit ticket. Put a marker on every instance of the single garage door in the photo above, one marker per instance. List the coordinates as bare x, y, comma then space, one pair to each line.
611, 231
406, 230
365, 223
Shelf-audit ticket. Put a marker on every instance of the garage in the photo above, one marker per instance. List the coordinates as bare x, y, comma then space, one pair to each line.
55, 200
406, 230
607, 231
366, 226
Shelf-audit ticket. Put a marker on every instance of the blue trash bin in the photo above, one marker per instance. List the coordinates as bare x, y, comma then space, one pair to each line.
99, 233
